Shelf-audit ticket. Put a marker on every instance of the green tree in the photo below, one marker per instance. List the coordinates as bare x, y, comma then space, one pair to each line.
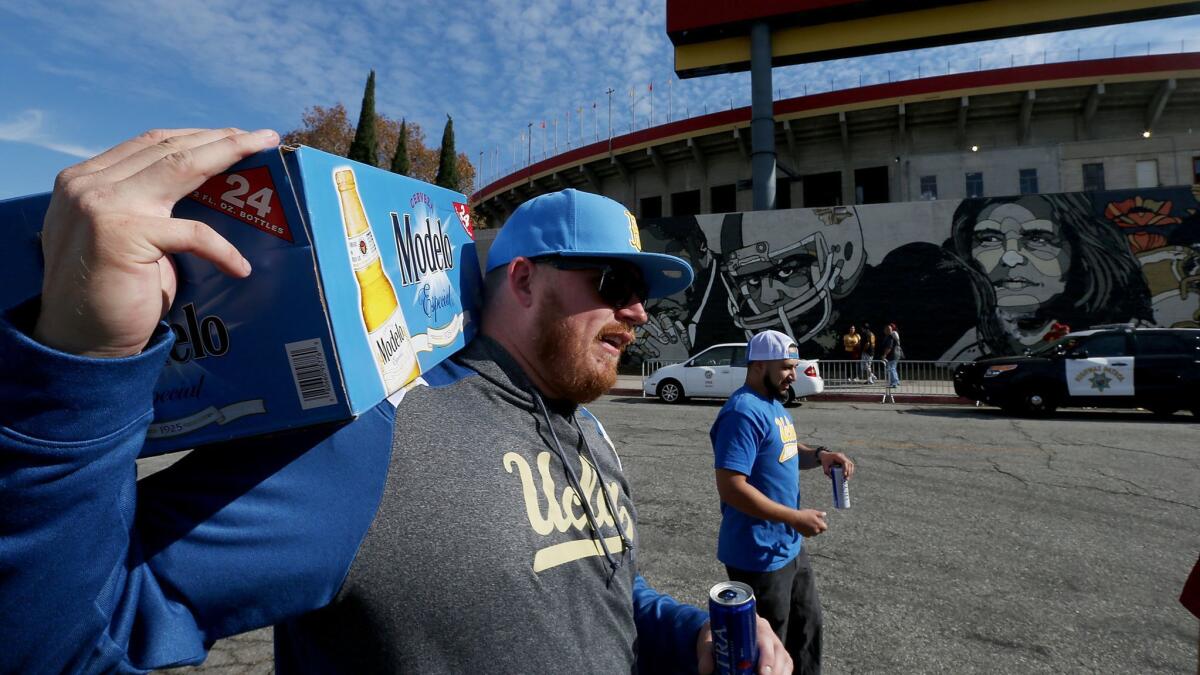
447, 175
329, 129
365, 147
400, 162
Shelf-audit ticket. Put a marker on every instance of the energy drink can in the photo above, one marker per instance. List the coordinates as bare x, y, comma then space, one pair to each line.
734, 624
841, 491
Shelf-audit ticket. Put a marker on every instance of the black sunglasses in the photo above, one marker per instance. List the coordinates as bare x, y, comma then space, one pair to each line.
620, 284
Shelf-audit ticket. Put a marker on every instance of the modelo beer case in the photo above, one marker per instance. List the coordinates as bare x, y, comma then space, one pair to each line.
363, 279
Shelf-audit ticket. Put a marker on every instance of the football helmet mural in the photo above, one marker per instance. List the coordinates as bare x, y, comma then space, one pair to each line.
784, 269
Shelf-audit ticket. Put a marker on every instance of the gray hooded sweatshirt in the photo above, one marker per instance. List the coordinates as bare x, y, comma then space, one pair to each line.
482, 555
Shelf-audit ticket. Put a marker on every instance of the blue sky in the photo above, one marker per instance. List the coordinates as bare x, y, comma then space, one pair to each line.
79, 77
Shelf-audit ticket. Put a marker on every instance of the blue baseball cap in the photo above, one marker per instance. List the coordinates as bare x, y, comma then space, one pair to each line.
578, 224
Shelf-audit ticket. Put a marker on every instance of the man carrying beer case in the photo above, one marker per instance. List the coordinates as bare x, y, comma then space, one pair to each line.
415, 538
758, 460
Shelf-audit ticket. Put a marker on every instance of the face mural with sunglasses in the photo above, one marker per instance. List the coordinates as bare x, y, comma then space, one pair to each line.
577, 329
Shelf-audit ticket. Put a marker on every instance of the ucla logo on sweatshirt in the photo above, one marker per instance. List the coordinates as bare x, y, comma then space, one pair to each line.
787, 436
553, 509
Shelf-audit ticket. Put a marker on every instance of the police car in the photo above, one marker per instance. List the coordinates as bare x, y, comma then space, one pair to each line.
1109, 367
719, 371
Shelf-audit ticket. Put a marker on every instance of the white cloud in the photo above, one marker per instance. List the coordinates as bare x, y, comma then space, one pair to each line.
29, 127
495, 65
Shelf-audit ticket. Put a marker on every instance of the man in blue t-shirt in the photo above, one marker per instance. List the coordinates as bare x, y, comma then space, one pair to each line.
758, 461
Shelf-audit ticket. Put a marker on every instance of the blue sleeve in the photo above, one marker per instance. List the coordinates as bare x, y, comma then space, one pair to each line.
667, 630
100, 573
735, 439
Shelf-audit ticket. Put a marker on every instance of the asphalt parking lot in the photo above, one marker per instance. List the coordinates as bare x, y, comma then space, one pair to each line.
975, 542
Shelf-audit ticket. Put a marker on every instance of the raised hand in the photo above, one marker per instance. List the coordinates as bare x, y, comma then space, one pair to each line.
109, 235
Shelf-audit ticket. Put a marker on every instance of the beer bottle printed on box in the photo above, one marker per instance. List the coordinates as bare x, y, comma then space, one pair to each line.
387, 331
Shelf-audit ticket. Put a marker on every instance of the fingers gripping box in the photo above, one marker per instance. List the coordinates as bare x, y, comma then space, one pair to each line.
362, 280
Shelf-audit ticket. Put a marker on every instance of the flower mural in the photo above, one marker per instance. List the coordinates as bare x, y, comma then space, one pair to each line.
1144, 221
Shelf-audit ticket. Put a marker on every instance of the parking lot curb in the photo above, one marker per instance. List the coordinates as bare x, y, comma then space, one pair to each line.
855, 397
896, 398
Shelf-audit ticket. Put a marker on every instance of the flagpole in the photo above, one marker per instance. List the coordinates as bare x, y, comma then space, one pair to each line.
651, 104
610, 93
632, 110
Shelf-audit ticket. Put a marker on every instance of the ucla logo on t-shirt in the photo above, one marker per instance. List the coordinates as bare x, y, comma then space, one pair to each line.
787, 436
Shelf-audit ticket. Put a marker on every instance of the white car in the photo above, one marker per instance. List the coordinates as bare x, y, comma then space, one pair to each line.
717, 372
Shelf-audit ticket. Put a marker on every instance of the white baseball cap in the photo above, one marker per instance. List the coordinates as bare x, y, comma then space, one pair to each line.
771, 345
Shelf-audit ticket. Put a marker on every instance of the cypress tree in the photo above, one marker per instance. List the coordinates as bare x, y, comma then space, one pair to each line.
447, 175
400, 159
365, 147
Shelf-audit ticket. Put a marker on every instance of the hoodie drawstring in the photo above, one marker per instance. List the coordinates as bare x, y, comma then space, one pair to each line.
613, 562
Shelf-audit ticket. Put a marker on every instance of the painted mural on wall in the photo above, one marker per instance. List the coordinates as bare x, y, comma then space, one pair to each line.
960, 279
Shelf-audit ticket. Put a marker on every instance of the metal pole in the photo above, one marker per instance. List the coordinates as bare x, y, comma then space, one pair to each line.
610, 93
762, 118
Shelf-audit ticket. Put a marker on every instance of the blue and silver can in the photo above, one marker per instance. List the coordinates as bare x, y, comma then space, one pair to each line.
734, 623
841, 491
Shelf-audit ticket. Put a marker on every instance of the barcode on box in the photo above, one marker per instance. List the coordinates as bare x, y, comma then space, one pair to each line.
310, 373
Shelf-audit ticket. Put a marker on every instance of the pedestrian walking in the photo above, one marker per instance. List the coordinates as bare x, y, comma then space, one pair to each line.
757, 459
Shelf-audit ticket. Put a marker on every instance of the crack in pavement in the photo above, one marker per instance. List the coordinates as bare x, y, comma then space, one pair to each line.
922, 466
1040, 445
907, 443
1121, 449
1123, 480
1041, 650
1125, 493
1028, 483
826, 556
1000, 471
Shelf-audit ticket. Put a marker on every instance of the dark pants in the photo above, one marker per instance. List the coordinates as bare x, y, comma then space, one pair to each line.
787, 598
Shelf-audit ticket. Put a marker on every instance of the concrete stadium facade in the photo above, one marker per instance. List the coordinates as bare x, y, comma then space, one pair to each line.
1059, 127
1067, 212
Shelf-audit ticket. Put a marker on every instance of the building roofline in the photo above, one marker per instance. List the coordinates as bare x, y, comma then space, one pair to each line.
1019, 78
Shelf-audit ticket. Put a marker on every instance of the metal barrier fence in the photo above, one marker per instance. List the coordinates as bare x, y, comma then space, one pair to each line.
650, 366
922, 378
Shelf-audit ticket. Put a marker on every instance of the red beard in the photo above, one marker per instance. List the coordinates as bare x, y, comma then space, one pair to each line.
573, 372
